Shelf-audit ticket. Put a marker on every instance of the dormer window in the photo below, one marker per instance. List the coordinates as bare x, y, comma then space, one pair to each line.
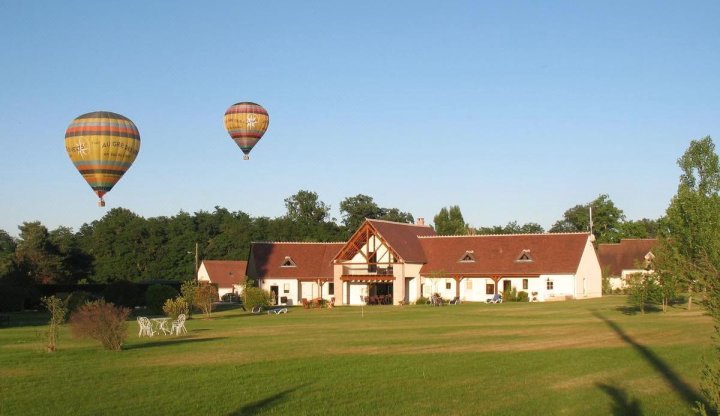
524, 256
468, 257
288, 262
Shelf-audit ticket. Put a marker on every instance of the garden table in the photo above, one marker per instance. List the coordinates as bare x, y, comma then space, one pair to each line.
161, 324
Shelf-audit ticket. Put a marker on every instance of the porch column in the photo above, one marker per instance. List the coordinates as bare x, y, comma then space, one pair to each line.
496, 279
458, 279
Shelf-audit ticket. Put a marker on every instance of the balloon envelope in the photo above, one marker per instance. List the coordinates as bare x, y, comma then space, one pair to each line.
103, 146
246, 123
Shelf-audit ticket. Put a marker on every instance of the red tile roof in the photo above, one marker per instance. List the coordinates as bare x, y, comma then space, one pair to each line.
312, 260
626, 255
498, 254
403, 238
225, 273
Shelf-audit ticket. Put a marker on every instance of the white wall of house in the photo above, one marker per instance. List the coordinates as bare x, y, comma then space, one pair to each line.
588, 282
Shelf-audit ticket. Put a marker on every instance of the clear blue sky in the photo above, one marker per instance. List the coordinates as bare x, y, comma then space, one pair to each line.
516, 111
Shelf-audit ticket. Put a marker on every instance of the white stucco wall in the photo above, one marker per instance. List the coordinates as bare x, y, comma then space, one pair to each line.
588, 283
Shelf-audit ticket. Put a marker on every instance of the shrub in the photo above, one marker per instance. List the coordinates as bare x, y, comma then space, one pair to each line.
156, 295
101, 321
174, 307
58, 309
188, 290
204, 298
522, 296
123, 293
510, 295
254, 296
77, 299
422, 301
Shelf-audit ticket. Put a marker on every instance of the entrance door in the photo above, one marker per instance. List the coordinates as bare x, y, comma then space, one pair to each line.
274, 295
507, 285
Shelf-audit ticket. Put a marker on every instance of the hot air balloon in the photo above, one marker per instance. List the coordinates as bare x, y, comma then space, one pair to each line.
102, 145
246, 123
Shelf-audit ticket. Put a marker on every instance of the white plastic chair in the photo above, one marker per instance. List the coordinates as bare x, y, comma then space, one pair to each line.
145, 327
178, 325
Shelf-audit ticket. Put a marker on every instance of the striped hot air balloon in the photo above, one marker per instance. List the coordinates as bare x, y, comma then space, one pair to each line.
246, 123
102, 145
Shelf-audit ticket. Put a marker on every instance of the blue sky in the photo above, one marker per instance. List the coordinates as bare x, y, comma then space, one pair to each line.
515, 111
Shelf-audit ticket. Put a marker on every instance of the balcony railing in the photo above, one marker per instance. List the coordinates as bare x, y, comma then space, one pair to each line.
370, 269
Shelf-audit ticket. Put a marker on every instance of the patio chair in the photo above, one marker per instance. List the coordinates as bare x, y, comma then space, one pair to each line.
145, 327
178, 325
277, 311
256, 309
455, 301
495, 299
305, 303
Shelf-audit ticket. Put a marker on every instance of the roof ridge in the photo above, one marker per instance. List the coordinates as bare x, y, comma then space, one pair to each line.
298, 242
398, 223
499, 235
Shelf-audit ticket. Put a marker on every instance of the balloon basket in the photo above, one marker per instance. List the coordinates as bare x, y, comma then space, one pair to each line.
101, 203
246, 157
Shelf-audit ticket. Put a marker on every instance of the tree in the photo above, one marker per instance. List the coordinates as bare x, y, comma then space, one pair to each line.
355, 209
690, 243
305, 206
644, 228
449, 221
37, 256
606, 220
642, 289
512, 228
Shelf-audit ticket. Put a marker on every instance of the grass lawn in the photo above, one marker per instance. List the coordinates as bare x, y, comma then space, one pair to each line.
567, 358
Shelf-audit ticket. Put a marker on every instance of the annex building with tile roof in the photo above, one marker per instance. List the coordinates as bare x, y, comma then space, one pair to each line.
393, 263
228, 275
629, 256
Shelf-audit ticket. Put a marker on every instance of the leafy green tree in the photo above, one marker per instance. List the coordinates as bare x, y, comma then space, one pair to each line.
512, 228
606, 220
690, 243
76, 263
306, 206
643, 289
355, 209
449, 221
644, 228
37, 256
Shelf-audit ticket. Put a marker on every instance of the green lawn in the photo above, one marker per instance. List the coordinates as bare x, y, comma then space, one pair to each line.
568, 358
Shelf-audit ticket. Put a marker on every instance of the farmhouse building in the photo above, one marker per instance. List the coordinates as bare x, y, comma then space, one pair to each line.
226, 274
394, 263
630, 256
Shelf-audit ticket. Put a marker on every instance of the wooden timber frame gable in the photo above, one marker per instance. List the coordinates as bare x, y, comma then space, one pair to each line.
359, 243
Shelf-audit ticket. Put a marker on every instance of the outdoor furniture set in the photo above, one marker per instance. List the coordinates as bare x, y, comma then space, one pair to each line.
149, 327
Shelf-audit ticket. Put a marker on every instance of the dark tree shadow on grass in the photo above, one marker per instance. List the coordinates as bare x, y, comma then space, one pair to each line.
169, 341
622, 404
684, 390
264, 404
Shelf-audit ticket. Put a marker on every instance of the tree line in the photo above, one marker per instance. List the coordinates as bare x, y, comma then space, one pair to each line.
125, 246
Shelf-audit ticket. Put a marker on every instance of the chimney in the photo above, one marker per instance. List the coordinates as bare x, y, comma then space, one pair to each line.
420, 221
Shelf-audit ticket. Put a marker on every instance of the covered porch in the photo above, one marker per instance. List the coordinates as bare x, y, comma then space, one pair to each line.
368, 289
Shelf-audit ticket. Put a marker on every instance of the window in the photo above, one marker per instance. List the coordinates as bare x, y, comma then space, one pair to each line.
448, 284
525, 284
524, 256
288, 262
331, 288
550, 284
468, 257
286, 288
372, 263
468, 284
490, 289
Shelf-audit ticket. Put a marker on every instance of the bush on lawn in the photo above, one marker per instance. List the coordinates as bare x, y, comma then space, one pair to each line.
254, 296
101, 321
174, 307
